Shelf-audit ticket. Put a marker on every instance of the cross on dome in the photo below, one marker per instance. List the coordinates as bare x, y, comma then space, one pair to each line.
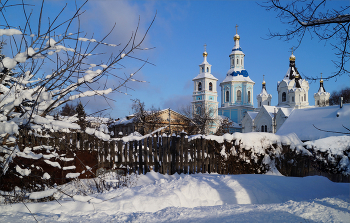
236, 28
205, 50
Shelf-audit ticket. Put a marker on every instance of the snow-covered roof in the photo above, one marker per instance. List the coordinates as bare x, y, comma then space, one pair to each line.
205, 75
270, 109
123, 121
264, 93
252, 114
304, 122
286, 111
230, 78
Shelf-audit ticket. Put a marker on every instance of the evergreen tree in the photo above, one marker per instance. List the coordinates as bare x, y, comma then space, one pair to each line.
81, 116
68, 110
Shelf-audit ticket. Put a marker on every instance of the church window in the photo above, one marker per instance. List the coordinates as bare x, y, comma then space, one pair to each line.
304, 97
227, 98
268, 103
198, 110
284, 96
248, 96
293, 99
210, 86
265, 128
202, 69
239, 95
260, 104
318, 102
262, 128
207, 69
237, 61
301, 98
199, 86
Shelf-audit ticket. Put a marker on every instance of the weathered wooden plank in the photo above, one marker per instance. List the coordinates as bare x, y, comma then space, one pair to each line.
141, 156
156, 152
173, 154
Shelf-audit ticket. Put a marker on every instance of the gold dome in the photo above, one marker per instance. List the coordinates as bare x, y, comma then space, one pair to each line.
205, 54
264, 82
236, 37
292, 58
321, 81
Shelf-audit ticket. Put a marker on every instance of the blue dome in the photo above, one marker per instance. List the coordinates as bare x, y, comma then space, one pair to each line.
244, 73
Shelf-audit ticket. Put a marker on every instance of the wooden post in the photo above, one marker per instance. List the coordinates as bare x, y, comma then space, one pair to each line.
182, 143
131, 156
119, 151
135, 157
156, 153
165, 154
140, 158
173, 154
202, 155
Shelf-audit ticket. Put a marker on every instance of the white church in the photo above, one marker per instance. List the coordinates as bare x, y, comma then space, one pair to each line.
237, 96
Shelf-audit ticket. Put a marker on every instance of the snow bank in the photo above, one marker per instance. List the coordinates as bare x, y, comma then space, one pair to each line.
42, 194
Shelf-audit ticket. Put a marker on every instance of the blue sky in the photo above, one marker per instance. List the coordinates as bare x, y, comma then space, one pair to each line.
178, 34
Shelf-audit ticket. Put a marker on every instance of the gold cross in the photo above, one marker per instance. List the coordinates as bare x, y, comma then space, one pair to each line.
236, 28
205, 47
292, 50
263, 77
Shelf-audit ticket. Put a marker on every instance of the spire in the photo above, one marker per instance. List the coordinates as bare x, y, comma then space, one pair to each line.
236, 38
292, 57
321, 89
264, 83
205, 54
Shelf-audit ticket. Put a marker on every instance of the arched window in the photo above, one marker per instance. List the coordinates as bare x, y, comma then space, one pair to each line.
199, 86
210, 86
284, 96
239, 95
304, 97
265, 128
237, 61
318, 102
268, 103
207, 69
248, 96
262, 128
293, 99
227, 98
260, 104
202, 69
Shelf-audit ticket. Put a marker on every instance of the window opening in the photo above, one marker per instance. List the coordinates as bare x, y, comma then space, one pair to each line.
227, 96
210, 86
248, 96
239, 95
199, 86
284, 96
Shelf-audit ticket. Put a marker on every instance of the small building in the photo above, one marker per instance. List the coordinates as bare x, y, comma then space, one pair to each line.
317, 122
153, 121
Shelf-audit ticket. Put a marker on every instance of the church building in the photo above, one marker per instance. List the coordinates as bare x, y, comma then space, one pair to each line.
236, 92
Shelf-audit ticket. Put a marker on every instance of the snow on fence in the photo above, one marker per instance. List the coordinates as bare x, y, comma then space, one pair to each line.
60, 157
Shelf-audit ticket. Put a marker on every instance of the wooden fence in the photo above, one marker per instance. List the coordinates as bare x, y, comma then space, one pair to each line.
169, 155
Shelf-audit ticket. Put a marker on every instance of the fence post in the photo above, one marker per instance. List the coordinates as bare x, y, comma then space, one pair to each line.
156, 153
112, 148
182, 142
173, 153
140, 157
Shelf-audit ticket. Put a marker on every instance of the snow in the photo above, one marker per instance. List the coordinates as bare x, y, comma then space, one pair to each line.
72, 175
330, 118
23, 172
10, 32
42, 194
205, 75
230, 78
197, 198
54, 164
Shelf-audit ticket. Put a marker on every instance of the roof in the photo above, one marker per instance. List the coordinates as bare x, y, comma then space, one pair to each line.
264, 93
270, 109
204, 75
230, 78
304, 122
286, 111
252, 114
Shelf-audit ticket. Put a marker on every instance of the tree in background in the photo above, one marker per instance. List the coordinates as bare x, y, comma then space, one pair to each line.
147, 120
81, 116
68, 110
315, 18
334, 98
224, 127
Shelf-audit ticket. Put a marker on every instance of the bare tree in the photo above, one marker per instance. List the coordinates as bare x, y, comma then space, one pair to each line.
315, 18
202, 118
224, 127
55, 62
146, 120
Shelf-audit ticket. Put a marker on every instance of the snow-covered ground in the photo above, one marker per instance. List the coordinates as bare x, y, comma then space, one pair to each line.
199, 198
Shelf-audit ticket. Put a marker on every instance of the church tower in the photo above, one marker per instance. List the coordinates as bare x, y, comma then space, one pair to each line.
263, 98
293, 90
205, 96
321, 97
237, 87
